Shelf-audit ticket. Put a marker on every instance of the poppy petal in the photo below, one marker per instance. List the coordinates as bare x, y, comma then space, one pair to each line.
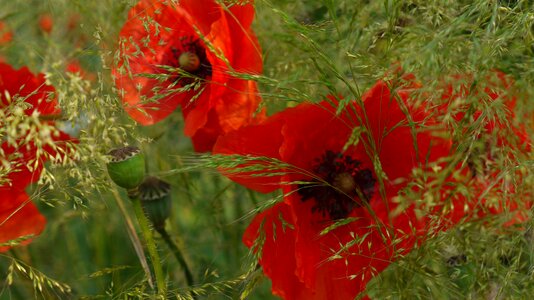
262, 140
18, 217
33, 88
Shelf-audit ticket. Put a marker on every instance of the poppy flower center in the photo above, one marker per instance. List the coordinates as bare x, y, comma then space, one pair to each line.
189, 54
345, 185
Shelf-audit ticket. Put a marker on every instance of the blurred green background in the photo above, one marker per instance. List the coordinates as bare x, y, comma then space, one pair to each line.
311, 49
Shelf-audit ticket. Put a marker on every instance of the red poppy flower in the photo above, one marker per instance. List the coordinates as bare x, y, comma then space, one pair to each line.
6, 35
24, 94
491, 107
327, 180
195, 46
486, 110
75, 67
46, 23
32, 88
74, 21
19, 217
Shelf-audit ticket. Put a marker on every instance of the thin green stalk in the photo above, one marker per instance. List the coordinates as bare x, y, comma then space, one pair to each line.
179, 256
130, 229
253, 198
151, 245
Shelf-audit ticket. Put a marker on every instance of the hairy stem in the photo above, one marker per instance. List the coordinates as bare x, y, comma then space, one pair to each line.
130, 229
179, 256
151, 245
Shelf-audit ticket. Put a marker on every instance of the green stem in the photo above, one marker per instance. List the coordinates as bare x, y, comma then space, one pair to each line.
136, 242
151, 245
253, 197
179, 256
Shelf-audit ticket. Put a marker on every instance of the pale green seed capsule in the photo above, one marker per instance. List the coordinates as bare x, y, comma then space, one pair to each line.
127, 167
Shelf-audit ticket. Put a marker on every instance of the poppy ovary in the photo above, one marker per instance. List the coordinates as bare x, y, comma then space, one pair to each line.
189, 61
344, 182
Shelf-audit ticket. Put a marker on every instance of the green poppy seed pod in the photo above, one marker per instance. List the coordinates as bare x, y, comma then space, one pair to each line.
156, 200
127, 167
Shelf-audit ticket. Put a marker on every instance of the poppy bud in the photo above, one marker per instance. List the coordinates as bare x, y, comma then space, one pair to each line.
127, 167
156, 200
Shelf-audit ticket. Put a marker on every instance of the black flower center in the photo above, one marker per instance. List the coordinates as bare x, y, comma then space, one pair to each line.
189, 55
345, 185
